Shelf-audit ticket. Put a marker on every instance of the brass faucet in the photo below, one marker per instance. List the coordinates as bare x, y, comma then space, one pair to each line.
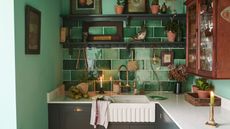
127, 74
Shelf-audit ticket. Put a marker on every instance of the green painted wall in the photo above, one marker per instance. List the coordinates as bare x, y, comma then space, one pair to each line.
37, 74
222, 87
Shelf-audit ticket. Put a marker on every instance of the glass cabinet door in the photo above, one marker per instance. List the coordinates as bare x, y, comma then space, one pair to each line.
191, 37
206, 35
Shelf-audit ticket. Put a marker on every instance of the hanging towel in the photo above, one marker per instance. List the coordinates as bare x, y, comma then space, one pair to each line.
100, 113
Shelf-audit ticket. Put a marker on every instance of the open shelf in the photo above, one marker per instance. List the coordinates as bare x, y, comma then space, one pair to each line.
139, 44
119, 17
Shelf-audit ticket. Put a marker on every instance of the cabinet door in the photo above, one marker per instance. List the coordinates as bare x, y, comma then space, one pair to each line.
191, 55
75, 116
206, 37
53, 116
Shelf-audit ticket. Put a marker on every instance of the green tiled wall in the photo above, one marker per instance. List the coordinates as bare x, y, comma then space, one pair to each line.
106, 61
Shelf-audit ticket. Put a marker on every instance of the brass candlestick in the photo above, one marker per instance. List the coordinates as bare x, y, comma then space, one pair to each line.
211, 121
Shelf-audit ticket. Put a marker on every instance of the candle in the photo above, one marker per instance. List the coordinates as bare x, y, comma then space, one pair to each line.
111, 83
212, 99
101, 81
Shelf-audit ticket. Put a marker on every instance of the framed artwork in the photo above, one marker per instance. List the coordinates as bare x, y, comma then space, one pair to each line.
136, 6
166, 58
112, 30
85, 6
32, 30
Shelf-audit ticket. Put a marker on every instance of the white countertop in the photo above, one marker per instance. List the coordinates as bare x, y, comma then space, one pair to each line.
185, 115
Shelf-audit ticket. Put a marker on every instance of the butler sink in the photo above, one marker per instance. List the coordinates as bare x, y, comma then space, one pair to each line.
130, 99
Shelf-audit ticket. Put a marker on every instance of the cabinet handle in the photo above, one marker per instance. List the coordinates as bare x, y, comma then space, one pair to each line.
77, 109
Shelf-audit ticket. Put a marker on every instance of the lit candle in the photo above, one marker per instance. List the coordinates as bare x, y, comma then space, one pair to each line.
212, 99
101, 81
111, 83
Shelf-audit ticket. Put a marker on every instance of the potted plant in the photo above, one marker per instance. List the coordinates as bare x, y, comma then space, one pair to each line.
204, 88
198, 83
119, 8
155, 6
179, 74
171, 29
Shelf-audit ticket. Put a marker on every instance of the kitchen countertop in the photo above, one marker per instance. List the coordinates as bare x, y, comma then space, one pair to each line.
185, 115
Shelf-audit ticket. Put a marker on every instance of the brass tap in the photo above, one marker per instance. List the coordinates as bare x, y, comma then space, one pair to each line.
127, 74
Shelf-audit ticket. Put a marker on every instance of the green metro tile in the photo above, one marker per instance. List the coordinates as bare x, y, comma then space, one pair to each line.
103, 64
182, 61
110, 30
131, 75
141, 64
66, 54
143, 53
111, 73
151, 86
79, 75
76, 53
136, 22
149, 32
117, 63
66, 75
129, 31
159, 32
162, 75
153, 23
110, 54
143, 75
164, 22
179, 53
76, 33
95, 30
69, 64
125, 54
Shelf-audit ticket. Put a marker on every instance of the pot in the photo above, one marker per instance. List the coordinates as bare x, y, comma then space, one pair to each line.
171, 36
203, 93
195, 89
119, 9
155, 9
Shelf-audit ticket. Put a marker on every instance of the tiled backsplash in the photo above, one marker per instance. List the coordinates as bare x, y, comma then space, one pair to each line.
107, 60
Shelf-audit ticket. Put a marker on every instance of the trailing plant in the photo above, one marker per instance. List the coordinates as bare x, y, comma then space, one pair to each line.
172, 25
155, 2
121, 2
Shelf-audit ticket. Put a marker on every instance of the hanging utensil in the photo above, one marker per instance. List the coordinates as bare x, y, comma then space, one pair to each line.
132, 64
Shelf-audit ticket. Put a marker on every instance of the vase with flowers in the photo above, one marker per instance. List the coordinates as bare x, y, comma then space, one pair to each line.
179, 74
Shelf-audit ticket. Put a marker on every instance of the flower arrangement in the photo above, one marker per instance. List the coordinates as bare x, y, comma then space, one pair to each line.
177, 72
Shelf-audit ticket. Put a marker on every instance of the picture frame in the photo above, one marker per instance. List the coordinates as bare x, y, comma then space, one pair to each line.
85, 7
167, 58
137, 6
32, 30
114, 36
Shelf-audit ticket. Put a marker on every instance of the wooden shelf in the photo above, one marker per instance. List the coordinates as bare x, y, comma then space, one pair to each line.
139, 44
67, 19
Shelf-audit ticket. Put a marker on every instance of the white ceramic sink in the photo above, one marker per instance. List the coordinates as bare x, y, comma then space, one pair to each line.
130, 99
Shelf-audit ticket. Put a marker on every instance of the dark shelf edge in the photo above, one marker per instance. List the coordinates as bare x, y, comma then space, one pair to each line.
125, 45
121, 17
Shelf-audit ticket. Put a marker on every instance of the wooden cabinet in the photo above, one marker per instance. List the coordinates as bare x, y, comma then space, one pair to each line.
163, 121
208, 40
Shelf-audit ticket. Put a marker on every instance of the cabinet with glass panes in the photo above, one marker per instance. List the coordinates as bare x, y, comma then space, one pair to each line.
208, 39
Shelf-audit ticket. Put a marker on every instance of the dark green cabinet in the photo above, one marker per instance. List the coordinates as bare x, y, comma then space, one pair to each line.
163, 121
77, 116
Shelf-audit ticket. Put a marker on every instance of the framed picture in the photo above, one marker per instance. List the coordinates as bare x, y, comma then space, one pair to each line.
32, 30
166, 58
112, 30
85, 6
137, 6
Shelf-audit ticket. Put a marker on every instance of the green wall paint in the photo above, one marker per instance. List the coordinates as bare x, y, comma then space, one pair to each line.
222, 87
37, 74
